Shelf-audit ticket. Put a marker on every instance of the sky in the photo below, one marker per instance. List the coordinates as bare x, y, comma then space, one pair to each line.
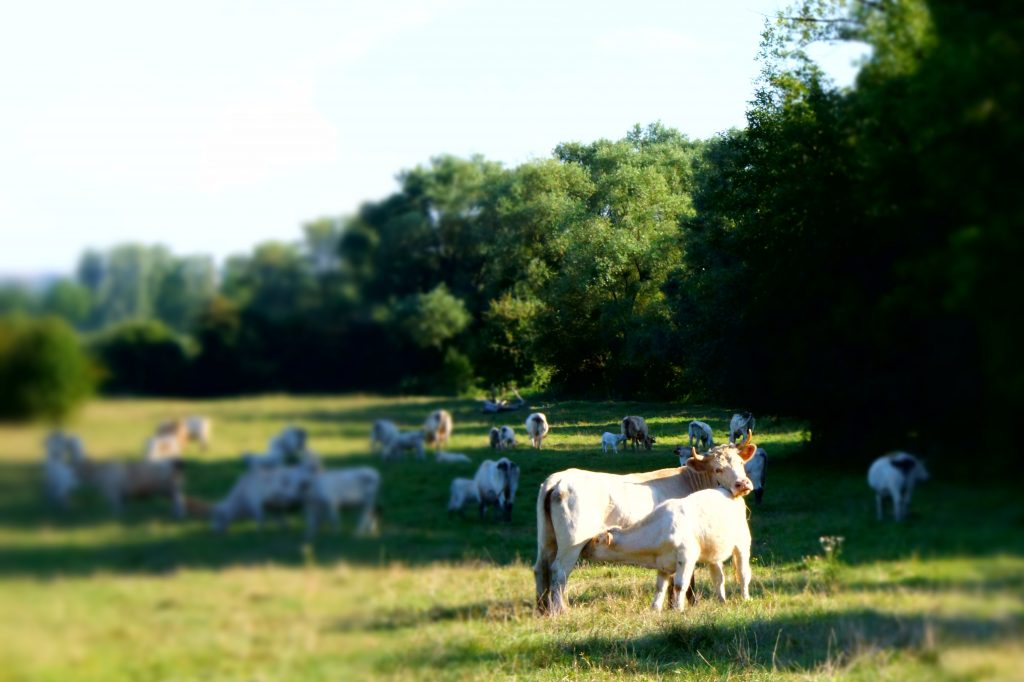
212, 126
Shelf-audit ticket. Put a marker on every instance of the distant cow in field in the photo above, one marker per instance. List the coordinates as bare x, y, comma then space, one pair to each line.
636, 432
537, 428
895, 475
740, 424
702, 434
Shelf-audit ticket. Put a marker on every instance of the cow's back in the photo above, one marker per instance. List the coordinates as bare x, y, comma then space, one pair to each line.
584, 503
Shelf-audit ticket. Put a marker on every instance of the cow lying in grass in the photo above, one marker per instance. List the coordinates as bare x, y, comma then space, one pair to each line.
707, 526
574, 506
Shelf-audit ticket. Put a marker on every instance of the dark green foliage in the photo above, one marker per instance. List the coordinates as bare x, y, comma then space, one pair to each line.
143, 357
43, 370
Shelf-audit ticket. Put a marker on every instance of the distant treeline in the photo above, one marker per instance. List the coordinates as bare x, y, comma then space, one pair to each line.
851, 257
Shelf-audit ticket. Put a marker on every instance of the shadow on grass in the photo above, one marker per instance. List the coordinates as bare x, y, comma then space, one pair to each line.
799, 643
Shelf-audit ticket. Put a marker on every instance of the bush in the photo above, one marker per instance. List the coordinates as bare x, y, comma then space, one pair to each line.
143, 356
43, 369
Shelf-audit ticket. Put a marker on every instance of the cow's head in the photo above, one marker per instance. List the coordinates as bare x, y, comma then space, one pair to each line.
725, 464
649, 441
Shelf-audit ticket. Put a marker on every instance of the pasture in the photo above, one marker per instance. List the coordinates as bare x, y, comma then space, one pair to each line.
85, 597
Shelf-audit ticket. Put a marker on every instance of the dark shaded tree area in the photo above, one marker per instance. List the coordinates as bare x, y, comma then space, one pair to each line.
854, 258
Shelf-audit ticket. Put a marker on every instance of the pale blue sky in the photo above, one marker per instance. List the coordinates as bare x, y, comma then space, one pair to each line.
210, 126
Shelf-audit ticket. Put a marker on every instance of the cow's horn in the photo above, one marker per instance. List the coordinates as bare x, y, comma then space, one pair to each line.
750, 434
694, 454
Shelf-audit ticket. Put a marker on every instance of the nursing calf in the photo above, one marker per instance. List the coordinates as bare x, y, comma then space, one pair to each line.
707, 526
574, 506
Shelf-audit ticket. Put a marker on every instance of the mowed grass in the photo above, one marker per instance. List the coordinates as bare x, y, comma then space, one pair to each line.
86, 597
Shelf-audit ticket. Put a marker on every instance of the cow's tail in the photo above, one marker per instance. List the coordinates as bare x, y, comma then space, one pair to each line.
547, 545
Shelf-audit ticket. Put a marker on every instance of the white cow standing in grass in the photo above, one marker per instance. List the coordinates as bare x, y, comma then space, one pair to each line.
574, 506
707, 526
537, 428
895, 475
346, 488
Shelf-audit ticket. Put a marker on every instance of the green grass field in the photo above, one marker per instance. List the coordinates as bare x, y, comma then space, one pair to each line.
85, 597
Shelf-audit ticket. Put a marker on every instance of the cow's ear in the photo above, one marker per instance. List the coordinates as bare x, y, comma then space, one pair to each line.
747, 451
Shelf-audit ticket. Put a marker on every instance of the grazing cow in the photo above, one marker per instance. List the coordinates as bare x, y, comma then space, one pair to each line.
895, 475
334, 489
199, 429
506, 438
635, 431
120, 481
381, 434
462, 490
437, 428
162, 447
59, 479
260, 489
708, 526
740, 424
452, 457
574, 506
536, 428
496, 485
610, 441
405, 440
702, 434
757, 469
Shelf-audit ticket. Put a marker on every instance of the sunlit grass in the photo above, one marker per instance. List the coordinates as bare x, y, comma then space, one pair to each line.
85, 597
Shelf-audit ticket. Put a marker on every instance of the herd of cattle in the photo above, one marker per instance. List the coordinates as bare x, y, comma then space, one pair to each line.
667, 520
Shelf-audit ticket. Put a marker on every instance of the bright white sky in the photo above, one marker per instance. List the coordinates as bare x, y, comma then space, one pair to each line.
210, 126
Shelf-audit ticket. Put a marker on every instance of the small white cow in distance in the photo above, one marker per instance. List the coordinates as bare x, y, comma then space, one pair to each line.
536, 428
199, 429
740, 424
194, 428
437, 428
702, 434
382, 433
610, 441
348, 488
707, 526
895, 475
260, 489
59, 479
452, 458
461, 491
503, 438
405, 440
496, 485
162, 447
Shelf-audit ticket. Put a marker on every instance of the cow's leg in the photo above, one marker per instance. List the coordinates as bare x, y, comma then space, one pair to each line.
311, 520
560, 570
333, 516
178, 503
542, 579
685, 566
878, 505
741, 565
673, 595
661, 587
718, 579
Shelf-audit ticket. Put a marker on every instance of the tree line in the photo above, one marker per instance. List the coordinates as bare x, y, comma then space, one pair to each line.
850, 256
